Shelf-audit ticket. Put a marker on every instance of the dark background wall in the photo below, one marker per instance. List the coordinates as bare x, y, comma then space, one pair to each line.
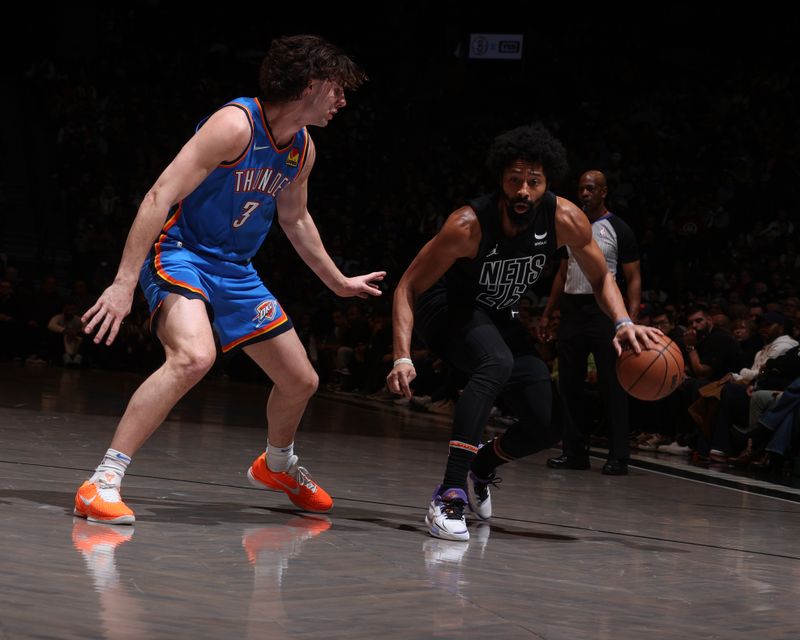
691, 112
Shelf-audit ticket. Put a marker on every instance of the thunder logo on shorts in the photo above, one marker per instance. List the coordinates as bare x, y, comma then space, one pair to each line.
265, 312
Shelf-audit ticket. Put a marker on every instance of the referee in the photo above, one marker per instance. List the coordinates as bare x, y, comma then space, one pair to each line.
586, 329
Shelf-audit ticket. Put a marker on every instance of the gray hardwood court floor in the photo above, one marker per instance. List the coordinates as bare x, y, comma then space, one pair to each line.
569, 555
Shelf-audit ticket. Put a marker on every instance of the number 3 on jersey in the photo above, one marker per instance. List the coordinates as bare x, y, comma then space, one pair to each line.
247, 210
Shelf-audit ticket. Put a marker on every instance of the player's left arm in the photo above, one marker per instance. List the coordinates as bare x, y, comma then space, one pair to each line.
573, 229
296, 222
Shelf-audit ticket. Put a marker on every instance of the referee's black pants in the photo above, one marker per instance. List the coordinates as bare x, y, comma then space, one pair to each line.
586, 329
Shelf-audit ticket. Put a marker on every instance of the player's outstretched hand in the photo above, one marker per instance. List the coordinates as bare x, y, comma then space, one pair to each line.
637, 336
399, 378
362, 286
108, 312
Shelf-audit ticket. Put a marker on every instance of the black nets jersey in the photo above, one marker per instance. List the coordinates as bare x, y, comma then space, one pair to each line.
504, 268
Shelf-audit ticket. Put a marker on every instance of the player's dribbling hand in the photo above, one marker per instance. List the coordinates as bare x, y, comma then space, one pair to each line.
362, 286
400, 378
636, 336
108, 312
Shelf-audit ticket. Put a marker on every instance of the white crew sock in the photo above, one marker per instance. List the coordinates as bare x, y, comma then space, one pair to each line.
112, 469
279, 458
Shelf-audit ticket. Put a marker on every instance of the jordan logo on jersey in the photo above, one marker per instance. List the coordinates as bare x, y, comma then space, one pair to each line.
266, 312
504, 281
266, 180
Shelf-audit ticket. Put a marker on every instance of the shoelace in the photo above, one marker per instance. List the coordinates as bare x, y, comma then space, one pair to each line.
482, 488
453, 509
301, 475
108, 491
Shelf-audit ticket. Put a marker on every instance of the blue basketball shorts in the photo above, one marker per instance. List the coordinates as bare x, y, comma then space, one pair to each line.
241, 308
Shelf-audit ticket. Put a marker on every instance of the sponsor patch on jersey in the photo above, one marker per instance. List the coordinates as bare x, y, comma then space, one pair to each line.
266, 312
294, 157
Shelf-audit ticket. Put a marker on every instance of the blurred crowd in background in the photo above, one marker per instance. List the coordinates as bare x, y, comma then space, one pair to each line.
700, 149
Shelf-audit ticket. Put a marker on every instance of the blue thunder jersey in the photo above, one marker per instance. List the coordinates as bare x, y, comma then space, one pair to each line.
230, 213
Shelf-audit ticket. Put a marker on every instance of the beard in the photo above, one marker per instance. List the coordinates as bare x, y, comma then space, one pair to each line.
520, 218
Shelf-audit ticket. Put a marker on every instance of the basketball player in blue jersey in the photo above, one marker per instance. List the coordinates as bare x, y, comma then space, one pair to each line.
248, 161
460, 294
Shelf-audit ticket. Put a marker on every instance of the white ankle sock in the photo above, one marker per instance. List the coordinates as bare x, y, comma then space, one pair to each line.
112, 468
279, 458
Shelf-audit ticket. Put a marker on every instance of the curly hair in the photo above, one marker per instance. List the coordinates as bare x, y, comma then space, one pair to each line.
293, 61
531, 143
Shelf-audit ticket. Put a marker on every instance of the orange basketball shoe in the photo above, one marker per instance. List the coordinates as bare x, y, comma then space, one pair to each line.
296, 482
100, 502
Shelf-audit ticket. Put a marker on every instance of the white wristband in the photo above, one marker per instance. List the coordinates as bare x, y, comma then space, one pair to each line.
622, 323
403, 361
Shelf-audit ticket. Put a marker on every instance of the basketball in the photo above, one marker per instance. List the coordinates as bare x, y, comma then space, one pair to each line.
654, 373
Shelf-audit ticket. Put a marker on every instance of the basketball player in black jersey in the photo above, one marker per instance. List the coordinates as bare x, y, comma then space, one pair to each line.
460, 294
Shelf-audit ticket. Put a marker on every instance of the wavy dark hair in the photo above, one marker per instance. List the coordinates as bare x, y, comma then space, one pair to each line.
293, 61
531, 143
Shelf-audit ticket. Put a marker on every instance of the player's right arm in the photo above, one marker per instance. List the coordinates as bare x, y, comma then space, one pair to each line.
460, 237
222, 138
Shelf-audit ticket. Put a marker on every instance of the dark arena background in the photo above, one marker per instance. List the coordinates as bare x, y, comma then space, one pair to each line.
691, 113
